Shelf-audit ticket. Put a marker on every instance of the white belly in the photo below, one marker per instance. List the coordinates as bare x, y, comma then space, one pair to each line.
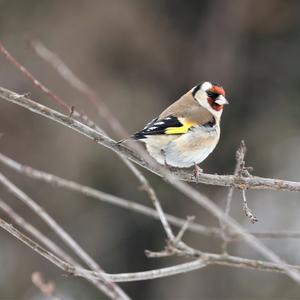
185, 150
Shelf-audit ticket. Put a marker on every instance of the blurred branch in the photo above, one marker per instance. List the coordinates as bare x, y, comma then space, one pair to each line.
35, 232
170, 178
51, 95
43, 239
105, 285
73, 270
44, 89
69, 76
204, 260
47, 288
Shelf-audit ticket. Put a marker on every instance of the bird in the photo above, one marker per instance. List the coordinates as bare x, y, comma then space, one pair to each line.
187, 131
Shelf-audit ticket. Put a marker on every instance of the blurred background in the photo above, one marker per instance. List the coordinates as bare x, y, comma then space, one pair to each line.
140, 56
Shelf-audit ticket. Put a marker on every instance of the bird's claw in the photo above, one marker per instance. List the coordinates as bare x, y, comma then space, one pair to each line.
196, 172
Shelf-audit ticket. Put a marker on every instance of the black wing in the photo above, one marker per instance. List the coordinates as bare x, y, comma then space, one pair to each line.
157, 126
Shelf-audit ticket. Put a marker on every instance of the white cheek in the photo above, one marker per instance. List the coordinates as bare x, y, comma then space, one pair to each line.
201, 97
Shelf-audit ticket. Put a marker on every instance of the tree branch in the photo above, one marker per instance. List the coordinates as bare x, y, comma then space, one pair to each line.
240, 155
206, 259
35, 232
130, 205
46, 241
253, 182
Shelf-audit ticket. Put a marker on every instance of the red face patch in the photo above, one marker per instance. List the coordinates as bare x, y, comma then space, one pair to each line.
218, 90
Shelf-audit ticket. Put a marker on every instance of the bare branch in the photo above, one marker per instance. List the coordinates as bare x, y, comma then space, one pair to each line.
73, 270
184, 228
106, 286
239, 156
247, 210
174, 246
127, 204
158, 273
35, 232
206, 258
68, 268
253, 182
44, 240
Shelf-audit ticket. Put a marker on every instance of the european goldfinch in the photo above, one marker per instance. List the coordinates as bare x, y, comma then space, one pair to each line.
187, 131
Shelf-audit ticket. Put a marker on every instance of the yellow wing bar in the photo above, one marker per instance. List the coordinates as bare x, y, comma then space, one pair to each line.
186, 125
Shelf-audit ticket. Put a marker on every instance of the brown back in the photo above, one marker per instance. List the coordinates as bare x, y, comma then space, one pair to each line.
189, 108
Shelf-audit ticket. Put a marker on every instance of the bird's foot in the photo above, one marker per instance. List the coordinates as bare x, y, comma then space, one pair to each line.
196, 173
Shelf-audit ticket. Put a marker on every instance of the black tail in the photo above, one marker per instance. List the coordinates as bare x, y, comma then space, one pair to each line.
137, 136
126, 139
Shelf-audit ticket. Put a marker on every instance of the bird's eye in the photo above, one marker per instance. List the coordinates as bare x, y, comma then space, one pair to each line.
212, 95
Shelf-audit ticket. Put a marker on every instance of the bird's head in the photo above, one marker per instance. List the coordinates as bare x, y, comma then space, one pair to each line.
211, 96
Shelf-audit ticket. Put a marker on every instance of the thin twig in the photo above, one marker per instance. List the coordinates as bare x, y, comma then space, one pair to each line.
153, 197
175, 246
247, 210
239, 156
167, 252
184, 228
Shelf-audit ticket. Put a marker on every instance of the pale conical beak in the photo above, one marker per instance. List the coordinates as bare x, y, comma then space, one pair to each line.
221, 100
